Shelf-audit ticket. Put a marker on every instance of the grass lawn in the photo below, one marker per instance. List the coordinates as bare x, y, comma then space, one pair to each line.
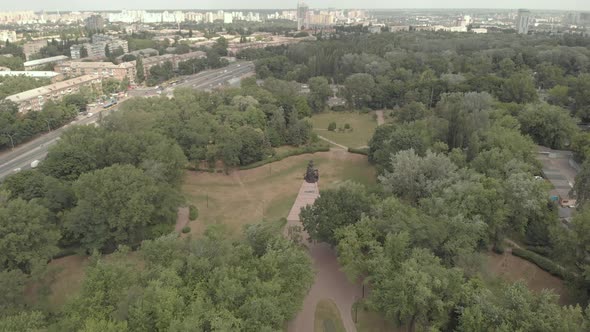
327, 317
363, 126
267, 192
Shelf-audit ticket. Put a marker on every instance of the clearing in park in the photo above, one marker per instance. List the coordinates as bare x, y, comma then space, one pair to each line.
362, 127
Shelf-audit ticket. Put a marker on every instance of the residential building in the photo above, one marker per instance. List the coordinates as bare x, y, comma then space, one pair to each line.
523, 21
302, 15
53, 76
33, 47
96, 49
9, 35
33, 100
398, 28
479, 30
94, 23
227, 18
102, 69
40, 63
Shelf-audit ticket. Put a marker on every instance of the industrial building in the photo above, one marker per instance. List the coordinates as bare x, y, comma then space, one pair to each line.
33, 100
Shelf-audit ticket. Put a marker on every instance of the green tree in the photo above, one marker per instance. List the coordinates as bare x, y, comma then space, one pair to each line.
414, 177
519, 88
358, 90
110, 86
140, 73
548, 125
319, 91
28, 238
335, 209
117, 205
435, 291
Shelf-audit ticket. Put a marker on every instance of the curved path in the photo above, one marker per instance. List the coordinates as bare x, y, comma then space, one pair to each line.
330, 282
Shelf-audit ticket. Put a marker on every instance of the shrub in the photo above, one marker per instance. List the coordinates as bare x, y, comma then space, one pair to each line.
193, 212
295, 152
499, 249
347, 126
186, 229
363, 151
332, 126
542, 262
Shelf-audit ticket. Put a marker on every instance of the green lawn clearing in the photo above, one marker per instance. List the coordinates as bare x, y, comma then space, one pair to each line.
362, 127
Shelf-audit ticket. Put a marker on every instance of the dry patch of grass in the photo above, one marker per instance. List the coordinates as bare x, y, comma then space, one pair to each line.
369, 321
267, 192
512, 269
327, 317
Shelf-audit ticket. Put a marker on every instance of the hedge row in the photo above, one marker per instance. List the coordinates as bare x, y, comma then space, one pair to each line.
295, 152
363, 151
542, 262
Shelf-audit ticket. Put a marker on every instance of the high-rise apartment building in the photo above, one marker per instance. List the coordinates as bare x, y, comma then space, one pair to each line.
94, 23
302, 15
523, 21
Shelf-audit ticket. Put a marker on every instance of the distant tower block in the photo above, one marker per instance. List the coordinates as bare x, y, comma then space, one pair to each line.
523, 21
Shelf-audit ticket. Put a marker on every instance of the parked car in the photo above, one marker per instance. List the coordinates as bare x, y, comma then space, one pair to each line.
35, 163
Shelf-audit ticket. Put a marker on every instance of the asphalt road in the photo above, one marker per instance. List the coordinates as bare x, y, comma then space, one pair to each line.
22, 156
205, 80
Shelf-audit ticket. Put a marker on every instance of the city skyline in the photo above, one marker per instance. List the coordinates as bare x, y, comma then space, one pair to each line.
67, 5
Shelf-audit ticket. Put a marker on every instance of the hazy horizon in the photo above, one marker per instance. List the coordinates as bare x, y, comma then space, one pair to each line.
69, 5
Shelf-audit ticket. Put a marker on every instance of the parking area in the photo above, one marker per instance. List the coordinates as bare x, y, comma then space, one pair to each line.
559, 169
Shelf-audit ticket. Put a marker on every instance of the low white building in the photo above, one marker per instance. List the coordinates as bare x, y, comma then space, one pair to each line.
9, 35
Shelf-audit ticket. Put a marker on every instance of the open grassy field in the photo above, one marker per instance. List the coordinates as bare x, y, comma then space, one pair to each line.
327, 317
363, 126
267, 192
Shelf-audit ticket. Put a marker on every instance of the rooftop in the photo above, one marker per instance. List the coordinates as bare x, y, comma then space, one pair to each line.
45, 60
50, 88
97, 64
35, 74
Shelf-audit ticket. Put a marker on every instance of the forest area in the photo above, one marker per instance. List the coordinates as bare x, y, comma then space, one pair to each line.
457, 177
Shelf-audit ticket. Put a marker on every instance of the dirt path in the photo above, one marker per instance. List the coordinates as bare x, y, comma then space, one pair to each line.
380, 117
181, 219
332, 142
330, 282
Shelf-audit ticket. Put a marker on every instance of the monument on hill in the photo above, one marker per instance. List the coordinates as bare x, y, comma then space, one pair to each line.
312, 175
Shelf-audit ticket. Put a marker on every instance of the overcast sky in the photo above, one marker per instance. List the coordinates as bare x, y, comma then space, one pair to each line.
64, 5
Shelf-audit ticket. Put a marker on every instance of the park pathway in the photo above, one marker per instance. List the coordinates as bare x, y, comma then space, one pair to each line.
329, 282
380, 117
332, 142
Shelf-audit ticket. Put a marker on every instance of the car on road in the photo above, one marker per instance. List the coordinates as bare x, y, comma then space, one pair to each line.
35, 163
90, 114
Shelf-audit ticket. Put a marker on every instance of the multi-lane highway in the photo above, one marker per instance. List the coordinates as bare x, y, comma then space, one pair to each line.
22, 156
205, 80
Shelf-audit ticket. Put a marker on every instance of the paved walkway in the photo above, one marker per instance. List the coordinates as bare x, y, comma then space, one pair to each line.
330, 282
380, 117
